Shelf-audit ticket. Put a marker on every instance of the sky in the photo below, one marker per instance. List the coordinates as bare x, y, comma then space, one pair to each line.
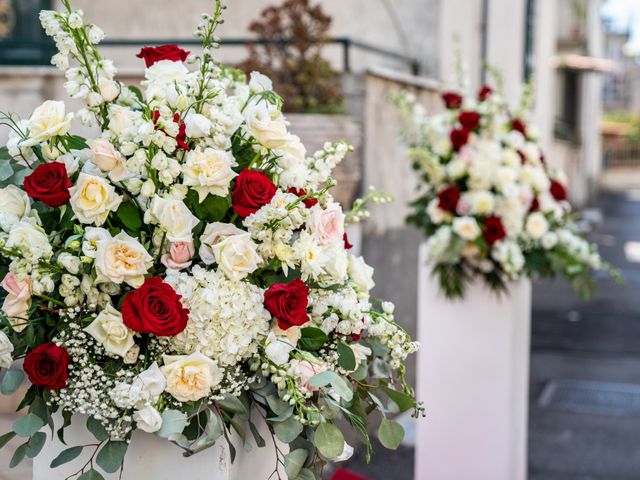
625, 14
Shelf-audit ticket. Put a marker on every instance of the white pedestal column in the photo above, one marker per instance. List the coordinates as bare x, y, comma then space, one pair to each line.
473, 377
150, 457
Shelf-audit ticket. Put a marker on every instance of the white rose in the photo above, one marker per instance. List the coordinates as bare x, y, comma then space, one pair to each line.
466, 228
537, 225
213, 233
361, 273
190, 377
47, 121
148, 419
197, 125
30, 240
335, 261
209, 171
93, 236
482, 202
122, 259
6, 351
109, 329
14, 206
93, 198
166, 71
104, 156
132, 355
231, 248
278, 348
152, 381
109, 90
267, 126
174, 217
327, 225
120, 119
259, 82
549, 240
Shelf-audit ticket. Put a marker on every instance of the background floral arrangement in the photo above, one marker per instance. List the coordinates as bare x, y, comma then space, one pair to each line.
186, 272
490, 205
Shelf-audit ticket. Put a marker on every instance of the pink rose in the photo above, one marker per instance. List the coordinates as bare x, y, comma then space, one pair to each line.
179, 255
327, 225
16, 303
305, 370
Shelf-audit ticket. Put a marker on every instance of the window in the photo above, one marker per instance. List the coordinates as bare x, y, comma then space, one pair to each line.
529, 39
568, 105
22, 39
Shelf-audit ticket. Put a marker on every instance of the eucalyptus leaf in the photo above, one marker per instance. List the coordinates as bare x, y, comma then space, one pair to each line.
346, 358
401, 399
35, 444
306, 474
256, 435
390, 434
97, 429
27, 425
232, 404
66, 456
91, 475
6, 438
18, 455
288, 430
173, 422
6, 171
11, 381
329, 440
111, 457
294, 462
340, 385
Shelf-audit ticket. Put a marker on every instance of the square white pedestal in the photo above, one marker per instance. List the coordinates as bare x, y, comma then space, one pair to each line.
473, 377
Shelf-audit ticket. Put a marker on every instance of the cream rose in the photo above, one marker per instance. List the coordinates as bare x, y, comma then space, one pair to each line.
267, 126
16, 303
122, 259
14, 206
174, 217
236, 255
214, 233
466, 228
190, 377
47, 121
104, 156
6, 351
327, 225
537, 225
109, 329
93, 198
209, 171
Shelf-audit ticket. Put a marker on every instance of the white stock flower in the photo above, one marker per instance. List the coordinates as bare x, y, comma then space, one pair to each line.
69, 262
174, 217
122, 259
209, 171
93, 198
360, 352
266, 125
466, 228
14, 206
6, 351
93, 236
361, 273
47, 121
537, 225
30, 241
148, 419
109, 90
190, 377
259, 82
109, 329
197, 125
104, 156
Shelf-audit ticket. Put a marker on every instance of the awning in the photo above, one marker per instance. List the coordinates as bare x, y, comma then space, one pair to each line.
583, 63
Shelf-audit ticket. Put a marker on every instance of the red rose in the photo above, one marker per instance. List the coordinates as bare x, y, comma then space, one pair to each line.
287, 302
152, 55
484, 93
301, 192
155, 308
345, 240
469, 120
558, 191
253, 190
49, 183
535, 205
452, 99
46, 366
519, 126
523, 157
448, 199
181, 138
493, 230
344, 474
459, 138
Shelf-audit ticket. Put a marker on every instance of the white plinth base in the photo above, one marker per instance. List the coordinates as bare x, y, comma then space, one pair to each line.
150, 457
473, 377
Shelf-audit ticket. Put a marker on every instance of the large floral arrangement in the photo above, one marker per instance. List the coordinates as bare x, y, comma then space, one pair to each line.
490, 204
185, 272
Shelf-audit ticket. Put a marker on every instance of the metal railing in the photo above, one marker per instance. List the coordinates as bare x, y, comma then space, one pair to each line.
621, 154
346, 44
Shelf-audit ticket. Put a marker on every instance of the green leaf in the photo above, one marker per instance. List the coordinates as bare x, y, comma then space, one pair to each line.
91, 475
27, 425
306, 474
340, 385
277, 405
74, 142
329, 440
35, 444
294, 461
256, 435
6, 438
11, 381
97, 429
173, 422
111, 457
288, 430
347, 358
136, 91
233, 404
401, 399
6, 171
129, 215
312, 339
18, 455
390, 434
66, 456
